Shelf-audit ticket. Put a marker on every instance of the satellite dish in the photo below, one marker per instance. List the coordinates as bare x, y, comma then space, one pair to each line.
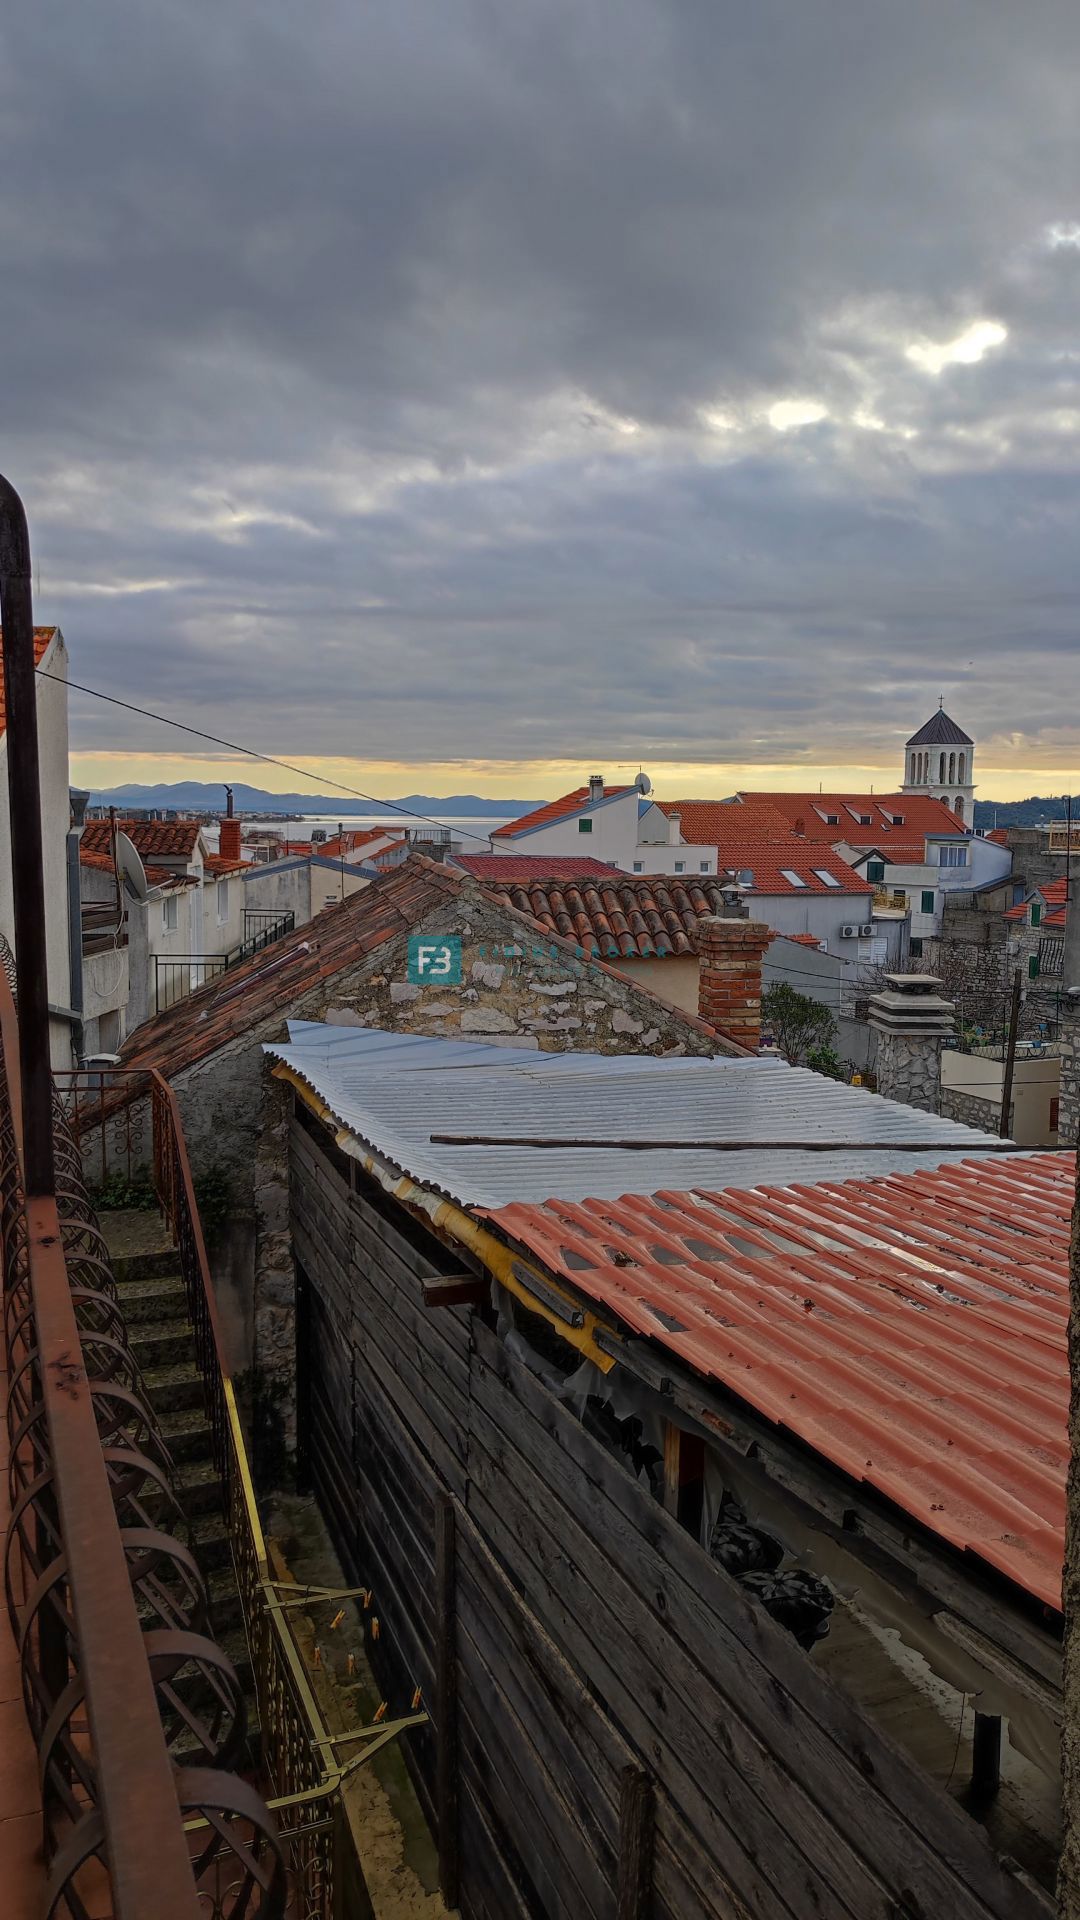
643, 783
130, 868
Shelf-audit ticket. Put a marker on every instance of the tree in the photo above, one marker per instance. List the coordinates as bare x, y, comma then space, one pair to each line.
798, 1024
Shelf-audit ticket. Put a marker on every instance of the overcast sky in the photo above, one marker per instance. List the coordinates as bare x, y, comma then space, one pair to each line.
452, 390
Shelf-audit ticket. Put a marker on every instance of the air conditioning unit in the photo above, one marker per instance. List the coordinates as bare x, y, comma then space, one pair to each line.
866, 930
850, 933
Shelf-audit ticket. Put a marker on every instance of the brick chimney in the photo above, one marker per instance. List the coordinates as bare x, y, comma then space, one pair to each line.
229, 838
730, 952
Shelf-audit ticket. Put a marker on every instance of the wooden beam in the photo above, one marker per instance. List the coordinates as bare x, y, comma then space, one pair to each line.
986, 1755
446, 1699
455, 1290
672, 1466
634, 1900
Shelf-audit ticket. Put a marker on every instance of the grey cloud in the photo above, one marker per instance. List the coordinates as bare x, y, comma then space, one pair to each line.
337, 320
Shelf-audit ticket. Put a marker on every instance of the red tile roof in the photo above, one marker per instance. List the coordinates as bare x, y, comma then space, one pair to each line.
1054, 896
802, 939
710, 823
156, 876
545, 816
911, 1329
43, 639
220, 866
616, 915
999, 836
921, 815
152, 839
337, 940
766, 860
353, 839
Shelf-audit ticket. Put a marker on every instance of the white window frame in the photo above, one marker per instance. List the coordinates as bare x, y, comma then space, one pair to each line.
170, 913
704, 866
793, 879
827, 879
222, 902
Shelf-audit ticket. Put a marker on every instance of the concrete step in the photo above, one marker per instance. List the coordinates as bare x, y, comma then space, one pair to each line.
149, 1265
186, 1435
198, 1488
174, 1388
160, 1298
226, 1607
210, 1543
160, 1343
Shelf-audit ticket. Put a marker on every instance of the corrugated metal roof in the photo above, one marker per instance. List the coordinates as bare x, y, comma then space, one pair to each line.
603, 1104
912, 1329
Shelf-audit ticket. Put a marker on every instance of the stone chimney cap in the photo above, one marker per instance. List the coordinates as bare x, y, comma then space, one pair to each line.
922, 984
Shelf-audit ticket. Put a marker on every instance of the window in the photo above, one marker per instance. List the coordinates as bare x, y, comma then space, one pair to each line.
1054, 1109
584, 826
875, 872
170, 913
915, 948
793, 879
827, 879
1036, 914
639, 866
1018, 893
222, 902
928, 900
680, 866
1033, 966
952, 857
832, 819
704, 866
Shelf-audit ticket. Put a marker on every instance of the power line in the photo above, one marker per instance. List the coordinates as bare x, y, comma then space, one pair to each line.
252, 753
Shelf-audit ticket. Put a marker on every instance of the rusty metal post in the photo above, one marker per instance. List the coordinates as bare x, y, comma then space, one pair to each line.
24, 808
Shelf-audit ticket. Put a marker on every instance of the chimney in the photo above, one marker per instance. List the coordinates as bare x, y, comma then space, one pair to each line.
911, 1021
596, 788
730, 952
229, 838
674, 829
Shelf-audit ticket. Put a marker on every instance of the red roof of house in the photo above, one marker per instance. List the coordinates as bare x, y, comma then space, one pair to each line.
802, 939
561, 809
152, 839
999, 836
156, 876
803, 811
635, 916
1054, 896
220, 865
710, 823
767, 859
352, 840
43, 639
275, 979
911, 1329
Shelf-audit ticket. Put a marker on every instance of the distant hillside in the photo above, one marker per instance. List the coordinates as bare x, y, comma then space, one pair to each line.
1023, 813
207, 797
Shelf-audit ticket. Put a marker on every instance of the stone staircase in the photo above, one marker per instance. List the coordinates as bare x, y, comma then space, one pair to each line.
151, 1295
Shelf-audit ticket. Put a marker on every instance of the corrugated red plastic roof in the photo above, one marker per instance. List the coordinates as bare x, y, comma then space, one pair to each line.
911, 1329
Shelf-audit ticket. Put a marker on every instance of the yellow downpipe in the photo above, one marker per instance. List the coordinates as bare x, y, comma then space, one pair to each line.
507, 1267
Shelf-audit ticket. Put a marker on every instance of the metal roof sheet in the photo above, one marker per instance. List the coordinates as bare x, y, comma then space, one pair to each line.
713, 1122
912, 1329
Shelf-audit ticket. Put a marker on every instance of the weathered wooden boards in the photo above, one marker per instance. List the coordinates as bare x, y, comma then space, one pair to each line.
617, 1731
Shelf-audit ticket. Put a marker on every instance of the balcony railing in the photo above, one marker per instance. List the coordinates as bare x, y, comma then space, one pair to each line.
127, 1120
178, 974
107, 1604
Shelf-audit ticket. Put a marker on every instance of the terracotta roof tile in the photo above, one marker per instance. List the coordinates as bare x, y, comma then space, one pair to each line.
709, 823
911, 1329
504, 867
1054, 896
766, 860
561, 809
220, 866
803, 811
43, 639
618, 916
161, 839
156, 876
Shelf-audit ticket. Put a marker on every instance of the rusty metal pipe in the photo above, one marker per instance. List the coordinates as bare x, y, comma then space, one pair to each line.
24, 808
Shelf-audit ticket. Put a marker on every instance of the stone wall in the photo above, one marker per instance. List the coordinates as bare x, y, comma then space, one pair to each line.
972, 1110
1069, 1098
909, 1069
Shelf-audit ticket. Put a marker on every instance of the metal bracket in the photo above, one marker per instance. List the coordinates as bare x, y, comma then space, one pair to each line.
305, 1596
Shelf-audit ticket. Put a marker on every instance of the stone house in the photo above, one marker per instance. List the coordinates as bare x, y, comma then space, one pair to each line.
514, 982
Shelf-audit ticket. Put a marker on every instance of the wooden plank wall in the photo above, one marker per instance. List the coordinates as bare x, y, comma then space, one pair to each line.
593, 1638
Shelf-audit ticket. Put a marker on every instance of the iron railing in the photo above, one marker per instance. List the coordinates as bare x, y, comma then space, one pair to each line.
136, 1713
178, 974
127, 1120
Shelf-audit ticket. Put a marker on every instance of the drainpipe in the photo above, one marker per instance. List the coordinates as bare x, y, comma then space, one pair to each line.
74, 894
24, 807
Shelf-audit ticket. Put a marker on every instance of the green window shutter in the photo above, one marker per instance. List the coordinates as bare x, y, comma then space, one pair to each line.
584, 826
928, 900
1033, 966
1036, 914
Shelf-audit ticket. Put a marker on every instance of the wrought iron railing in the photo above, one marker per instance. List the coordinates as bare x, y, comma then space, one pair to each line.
178, 974
127, 1120
136, 1713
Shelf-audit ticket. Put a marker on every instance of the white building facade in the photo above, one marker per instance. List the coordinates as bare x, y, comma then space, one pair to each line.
940, 762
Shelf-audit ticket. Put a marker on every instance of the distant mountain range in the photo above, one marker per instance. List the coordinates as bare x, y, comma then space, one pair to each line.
1023, 813
209, 797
